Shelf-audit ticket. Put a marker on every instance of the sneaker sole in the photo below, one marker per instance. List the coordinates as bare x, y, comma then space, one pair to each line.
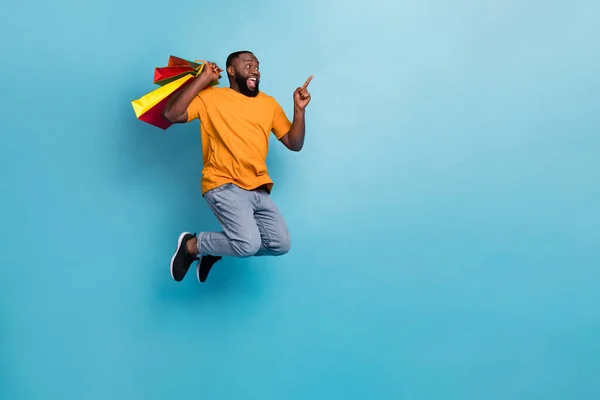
177, 251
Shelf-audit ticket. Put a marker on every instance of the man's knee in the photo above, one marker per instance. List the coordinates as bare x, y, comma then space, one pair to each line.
281, 245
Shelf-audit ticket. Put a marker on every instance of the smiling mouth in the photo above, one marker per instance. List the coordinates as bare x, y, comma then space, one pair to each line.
252, 82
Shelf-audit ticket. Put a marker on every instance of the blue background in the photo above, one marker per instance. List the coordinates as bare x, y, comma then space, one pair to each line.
444, 210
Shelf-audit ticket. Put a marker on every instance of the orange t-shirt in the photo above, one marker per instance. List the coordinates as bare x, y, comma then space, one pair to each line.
234, 131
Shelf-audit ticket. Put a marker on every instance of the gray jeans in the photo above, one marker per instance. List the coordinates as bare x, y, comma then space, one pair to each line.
251, 222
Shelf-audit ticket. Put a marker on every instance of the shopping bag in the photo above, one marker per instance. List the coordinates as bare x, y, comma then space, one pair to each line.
149, 107
164, 75
175, 61
176, 68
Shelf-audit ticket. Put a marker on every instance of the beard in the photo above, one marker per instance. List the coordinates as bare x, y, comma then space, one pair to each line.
241, 82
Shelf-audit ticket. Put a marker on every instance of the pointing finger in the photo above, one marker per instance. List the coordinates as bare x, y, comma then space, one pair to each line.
307, 81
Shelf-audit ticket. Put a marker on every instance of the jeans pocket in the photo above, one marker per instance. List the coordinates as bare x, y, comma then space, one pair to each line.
221, 188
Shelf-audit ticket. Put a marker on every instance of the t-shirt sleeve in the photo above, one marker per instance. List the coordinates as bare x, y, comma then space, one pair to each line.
281, 123
197, 108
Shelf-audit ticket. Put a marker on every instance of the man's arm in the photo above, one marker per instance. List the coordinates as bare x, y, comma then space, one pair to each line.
176, 109
294, 139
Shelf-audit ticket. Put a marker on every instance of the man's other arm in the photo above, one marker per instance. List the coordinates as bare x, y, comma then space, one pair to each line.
294, 138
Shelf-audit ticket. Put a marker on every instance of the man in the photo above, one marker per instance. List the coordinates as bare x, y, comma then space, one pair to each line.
236, 122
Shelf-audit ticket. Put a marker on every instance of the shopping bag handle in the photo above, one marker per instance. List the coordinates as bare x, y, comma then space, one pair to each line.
202, 62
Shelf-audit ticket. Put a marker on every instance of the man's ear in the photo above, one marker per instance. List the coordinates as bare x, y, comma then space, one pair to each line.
230, 71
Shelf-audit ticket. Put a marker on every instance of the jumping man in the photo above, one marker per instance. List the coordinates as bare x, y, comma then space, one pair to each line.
236, 122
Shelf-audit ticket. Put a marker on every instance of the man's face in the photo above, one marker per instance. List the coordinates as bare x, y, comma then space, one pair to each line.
246, 74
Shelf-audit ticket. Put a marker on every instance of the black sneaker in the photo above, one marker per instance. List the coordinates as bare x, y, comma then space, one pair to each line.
181, 260
204, 265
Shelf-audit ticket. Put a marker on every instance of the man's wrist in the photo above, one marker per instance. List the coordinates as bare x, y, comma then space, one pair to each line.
299, 111
204, 80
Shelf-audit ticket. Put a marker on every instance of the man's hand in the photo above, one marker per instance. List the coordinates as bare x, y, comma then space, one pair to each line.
301, 96
211, 72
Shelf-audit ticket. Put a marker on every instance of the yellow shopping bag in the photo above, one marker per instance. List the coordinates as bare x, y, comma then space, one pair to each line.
149, 107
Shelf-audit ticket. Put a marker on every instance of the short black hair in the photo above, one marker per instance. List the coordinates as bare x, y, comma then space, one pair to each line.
231, 58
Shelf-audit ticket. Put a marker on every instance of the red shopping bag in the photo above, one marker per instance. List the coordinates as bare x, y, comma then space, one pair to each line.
176, 68
175, 61
164, 75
